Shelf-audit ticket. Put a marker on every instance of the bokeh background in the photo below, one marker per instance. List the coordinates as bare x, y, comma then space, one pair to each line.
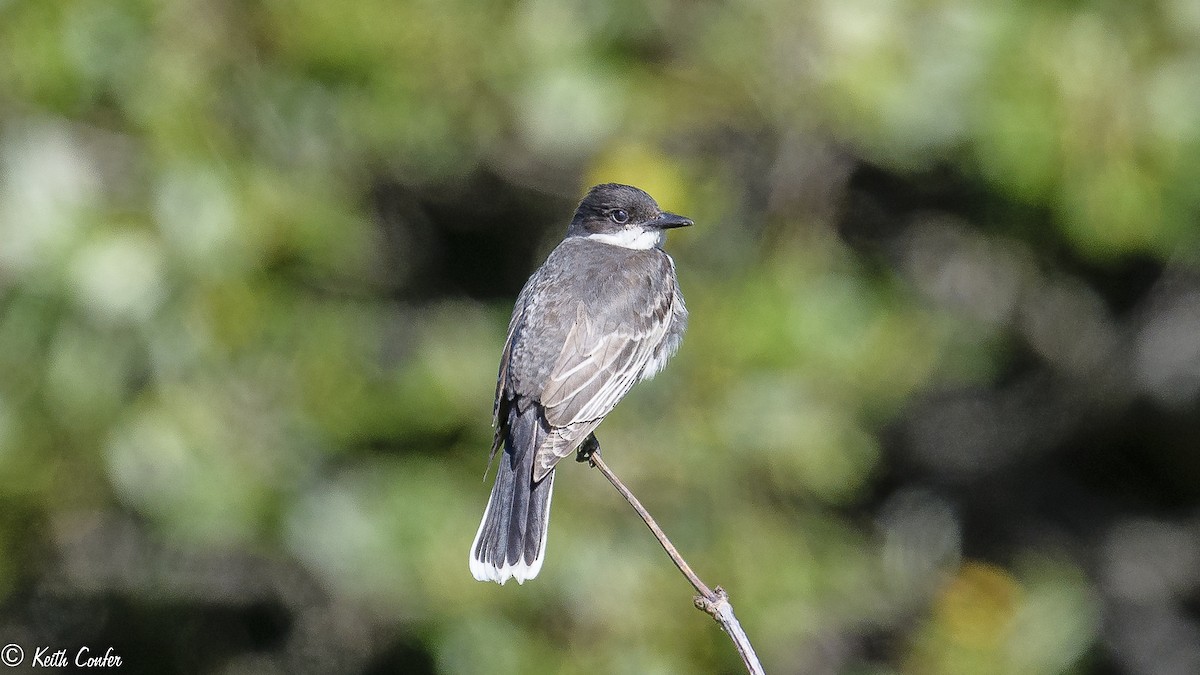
938, 410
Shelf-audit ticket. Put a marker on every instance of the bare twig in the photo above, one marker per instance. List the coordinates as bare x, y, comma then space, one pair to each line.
713, 602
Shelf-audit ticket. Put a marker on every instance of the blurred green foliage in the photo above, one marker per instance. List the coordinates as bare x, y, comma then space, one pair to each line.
256, 261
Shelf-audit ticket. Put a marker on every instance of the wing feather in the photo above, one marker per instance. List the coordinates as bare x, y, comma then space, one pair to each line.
505, 358
593, 373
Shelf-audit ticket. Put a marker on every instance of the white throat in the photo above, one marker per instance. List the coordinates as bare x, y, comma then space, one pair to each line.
638, 238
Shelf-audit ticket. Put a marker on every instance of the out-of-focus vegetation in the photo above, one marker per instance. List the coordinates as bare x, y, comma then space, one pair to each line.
938, 410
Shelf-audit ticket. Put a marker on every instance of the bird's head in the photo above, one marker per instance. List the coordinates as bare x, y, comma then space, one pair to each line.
623, 215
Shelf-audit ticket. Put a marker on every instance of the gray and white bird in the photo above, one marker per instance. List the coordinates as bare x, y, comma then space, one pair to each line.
601, 314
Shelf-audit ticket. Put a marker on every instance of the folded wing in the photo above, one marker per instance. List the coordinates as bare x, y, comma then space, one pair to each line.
594, 371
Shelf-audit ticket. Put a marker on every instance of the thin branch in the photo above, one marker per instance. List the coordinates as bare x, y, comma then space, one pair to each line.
713, 602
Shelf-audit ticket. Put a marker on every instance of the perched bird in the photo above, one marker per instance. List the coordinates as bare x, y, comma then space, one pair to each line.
602, 313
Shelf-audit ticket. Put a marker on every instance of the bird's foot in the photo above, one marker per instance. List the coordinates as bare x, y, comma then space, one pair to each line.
587, 448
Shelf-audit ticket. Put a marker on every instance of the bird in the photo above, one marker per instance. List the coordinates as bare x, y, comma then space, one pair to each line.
603, 312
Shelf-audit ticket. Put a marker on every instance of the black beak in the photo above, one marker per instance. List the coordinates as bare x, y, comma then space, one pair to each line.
666, 221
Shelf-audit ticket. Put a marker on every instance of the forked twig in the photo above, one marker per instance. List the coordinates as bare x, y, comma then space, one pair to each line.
716, 602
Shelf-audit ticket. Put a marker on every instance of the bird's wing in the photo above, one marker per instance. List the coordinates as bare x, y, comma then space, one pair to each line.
595, 369
502, 378
505, 357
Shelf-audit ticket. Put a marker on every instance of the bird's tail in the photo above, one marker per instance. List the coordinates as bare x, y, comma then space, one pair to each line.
511, 541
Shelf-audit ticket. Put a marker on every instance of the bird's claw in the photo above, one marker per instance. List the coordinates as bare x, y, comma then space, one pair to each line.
587, 448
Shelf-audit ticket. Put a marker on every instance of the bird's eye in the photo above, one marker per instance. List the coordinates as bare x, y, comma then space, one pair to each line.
619, 215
